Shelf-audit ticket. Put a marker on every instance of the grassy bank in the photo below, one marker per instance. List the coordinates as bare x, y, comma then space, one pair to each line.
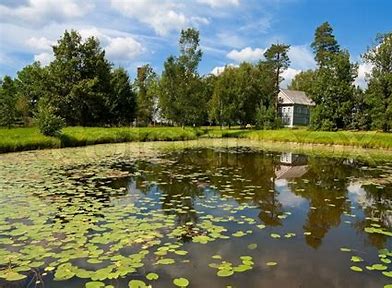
365, 139
19, 139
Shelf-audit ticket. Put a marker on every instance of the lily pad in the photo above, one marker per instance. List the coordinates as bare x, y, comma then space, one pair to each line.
181, 282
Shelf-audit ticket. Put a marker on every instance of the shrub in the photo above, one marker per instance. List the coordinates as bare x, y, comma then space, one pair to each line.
48, 122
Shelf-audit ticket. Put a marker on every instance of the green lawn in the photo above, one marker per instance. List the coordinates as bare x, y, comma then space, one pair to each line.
364, 139
19, 139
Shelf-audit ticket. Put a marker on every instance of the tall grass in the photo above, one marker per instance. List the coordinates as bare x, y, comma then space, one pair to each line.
364, 139
19, 139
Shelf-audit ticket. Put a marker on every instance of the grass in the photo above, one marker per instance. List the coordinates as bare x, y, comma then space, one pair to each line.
363, 139
19, 139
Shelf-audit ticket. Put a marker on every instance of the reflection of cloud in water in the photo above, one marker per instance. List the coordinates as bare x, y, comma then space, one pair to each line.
356, 192
285, 196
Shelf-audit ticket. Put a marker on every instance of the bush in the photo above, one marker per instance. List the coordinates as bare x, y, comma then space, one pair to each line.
267, 118
48, 122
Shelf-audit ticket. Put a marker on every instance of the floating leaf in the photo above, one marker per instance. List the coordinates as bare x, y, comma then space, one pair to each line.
252, 246
95, 284
137, 284
181, 282
152, 276
356, 259
356, 268
225, 272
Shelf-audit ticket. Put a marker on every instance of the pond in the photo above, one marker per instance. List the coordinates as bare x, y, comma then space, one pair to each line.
221, 215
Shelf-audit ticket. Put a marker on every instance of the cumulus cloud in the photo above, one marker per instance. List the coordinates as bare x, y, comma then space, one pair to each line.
44, 58
363, 70
41, 43
288, 75
220, 3
219, 69
162, 16
247, 54
40, 12
301, 57
123, 48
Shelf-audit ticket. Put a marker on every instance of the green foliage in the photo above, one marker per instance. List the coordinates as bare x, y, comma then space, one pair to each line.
379, 92
333, 87
180, 85
31, 84
304, 81
324, 44
80, 80
48, 122
238, 92
146, 84
121, 104
8, 100
267, 118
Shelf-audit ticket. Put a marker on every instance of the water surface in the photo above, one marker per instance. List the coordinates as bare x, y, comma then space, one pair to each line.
217, 216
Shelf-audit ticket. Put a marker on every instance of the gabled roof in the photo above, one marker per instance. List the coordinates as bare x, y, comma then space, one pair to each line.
294, 97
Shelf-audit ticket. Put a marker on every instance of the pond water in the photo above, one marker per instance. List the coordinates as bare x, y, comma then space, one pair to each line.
221, 216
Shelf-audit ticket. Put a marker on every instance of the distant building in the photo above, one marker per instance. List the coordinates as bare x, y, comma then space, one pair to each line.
294, 107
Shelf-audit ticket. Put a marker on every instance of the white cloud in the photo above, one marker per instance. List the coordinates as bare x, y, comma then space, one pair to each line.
38, 12
301, 57
363, 69
220, 3
162, 16
230, 40
288, 75
246, 55
219, 69
44, 58
41, 43
123, 48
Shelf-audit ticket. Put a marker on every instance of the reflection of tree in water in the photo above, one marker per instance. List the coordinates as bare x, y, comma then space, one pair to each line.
376, 205
178, 194
240, 169
326, 192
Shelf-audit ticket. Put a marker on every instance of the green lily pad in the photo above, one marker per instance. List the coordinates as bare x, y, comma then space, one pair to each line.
252, 246
181, 282
95, 284
137, 284
356, 259
387, 273
271, 263
152, 276
225, 272
356, 268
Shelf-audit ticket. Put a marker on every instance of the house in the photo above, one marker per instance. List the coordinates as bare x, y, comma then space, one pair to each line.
291, 166
294, 107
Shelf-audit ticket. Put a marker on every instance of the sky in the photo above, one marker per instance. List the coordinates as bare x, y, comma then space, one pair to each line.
137, 32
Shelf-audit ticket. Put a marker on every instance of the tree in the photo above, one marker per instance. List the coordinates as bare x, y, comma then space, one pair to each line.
31, 84
121, 104
223, 104
238, 93
277, 57
333, 89
379, 92
304, 81
180, 97
324, 44
8, 99
145, 82
49, 123
80, 75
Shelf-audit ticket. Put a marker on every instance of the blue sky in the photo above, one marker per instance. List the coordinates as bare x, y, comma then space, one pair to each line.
135, 32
